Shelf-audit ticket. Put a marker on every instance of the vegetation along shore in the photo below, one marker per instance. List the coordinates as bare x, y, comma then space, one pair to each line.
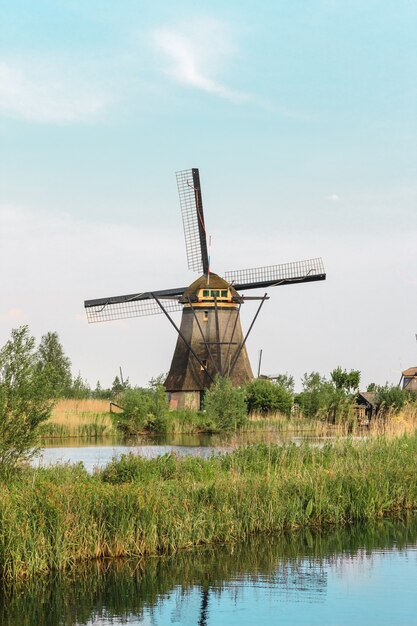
52, 518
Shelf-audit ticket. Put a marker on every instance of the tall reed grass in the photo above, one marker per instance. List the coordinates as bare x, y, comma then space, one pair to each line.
79, 418
52, 518
101, 588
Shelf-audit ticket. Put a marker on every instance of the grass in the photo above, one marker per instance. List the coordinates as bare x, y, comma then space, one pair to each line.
91, 418
391, 425
53, 518
79, 418
103, 588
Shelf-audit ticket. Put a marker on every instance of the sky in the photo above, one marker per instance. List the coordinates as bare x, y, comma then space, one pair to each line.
302, 118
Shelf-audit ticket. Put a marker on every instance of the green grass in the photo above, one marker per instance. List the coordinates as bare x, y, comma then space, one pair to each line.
52, 518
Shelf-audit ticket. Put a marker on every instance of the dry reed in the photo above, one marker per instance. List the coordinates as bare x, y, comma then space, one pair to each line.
79, 418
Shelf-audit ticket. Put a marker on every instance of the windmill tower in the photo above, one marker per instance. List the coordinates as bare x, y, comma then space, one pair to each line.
210, 338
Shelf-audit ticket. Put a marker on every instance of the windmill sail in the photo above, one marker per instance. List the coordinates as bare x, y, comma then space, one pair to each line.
189, 190
133, 305
274, 275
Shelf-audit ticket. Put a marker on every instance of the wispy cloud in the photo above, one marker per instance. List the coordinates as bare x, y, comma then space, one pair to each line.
39, 92
333, 197
196, 52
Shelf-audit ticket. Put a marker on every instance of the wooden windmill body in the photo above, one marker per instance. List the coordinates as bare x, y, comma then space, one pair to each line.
210, 338
210, 323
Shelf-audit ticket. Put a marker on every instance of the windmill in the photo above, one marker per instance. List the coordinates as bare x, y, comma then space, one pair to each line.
210, 338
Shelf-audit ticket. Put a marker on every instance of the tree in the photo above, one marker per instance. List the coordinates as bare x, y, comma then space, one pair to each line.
55, 365
329, 399
143, 410
264, 396
346, 381
316, 395
390, 398
80, 389
100, 393
24, 399
225, 405
286, 381
117, 387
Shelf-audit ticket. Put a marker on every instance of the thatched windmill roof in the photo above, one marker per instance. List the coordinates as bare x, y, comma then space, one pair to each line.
215, 282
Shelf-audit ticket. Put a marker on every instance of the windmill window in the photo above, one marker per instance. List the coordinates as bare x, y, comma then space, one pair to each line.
224, 293
206, 293
204, 365
215, 293
205, 316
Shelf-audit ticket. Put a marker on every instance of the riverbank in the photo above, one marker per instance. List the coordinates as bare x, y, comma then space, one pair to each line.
52, 518
92, 419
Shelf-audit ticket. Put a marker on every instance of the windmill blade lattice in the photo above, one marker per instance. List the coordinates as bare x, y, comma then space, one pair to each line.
274, 275
133, 305
189, 190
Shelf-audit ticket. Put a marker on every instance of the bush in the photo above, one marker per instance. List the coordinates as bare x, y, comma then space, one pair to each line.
390, 397
264, 396
225, 405
316, 395
143, 410
328, 400
24, 399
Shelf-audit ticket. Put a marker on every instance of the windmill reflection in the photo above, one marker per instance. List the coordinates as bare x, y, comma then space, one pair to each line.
290, 567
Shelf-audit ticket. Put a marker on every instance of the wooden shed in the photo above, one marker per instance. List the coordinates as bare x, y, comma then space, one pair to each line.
365, 407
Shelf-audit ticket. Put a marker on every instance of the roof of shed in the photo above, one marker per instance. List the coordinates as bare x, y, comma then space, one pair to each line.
369, 396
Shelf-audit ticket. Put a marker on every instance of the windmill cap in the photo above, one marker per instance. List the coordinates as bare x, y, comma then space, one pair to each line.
215, 282
412, 371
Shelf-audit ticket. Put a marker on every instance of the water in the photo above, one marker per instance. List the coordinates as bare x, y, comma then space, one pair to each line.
96, 454
361, 576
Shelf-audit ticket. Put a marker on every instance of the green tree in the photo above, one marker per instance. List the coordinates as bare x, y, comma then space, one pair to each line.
316, 395
55, 365
264, 396
80, 389
100, 393
286, 381
24, 399
225, 405
346, 381
143, 410
118, 387
390, 398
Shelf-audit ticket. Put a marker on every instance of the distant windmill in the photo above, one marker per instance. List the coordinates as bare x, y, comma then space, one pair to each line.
210, 339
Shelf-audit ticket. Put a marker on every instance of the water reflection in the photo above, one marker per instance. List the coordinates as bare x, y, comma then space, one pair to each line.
362, 576
98, 453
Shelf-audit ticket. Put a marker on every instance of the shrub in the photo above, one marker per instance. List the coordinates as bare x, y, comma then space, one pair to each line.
390, 397
264, 396
143, 410
225, 405
24, 399
316, 394
328, 400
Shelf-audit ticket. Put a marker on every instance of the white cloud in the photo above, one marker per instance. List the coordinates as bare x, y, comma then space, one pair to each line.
39, 92
333, 197
194, 52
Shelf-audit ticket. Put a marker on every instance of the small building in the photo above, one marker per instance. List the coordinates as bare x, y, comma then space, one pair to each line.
409, 379
365, 406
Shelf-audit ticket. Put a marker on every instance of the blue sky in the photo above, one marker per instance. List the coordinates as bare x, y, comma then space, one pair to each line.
302, 119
